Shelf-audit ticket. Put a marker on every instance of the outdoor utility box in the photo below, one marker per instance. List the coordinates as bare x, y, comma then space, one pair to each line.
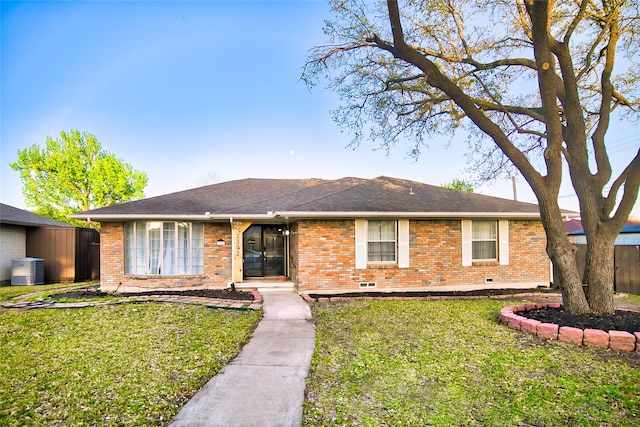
27, 271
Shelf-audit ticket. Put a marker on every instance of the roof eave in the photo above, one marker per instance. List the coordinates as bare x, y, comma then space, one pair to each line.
133, 217
305, 215
33, 225
372, 214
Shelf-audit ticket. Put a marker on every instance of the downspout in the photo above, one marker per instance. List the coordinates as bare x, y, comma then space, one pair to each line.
233, 264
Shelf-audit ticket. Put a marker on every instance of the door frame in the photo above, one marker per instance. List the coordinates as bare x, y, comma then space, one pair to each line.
284, 229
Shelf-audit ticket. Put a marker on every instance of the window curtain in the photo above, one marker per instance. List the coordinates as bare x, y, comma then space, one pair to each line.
183, 248
164, 248
485, 235
155, 229
381, 236
136, 247
168, 248
141, 265
197, 248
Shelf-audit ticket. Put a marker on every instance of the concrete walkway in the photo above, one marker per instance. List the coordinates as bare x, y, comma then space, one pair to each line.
264, 385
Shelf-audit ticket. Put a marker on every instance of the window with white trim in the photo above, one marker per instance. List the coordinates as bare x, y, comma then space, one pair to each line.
381, 241
164, 248
484, 241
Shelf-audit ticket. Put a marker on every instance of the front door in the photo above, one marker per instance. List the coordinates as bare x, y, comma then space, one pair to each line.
263, 251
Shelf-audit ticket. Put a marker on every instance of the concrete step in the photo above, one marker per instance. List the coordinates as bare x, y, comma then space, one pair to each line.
286, 287
267, 285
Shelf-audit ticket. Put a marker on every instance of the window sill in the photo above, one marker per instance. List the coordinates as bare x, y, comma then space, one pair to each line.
485, 263
382, 266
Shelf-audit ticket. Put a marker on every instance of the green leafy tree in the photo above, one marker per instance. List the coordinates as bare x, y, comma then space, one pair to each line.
537, 84
73, 174
458, 184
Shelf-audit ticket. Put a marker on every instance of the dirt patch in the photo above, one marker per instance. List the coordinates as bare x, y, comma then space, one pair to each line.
201, 293
628, 321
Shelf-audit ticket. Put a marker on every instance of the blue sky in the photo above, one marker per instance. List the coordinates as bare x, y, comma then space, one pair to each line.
198, 92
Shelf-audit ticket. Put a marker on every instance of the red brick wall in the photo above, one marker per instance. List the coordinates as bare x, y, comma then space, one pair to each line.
323, 258
324, 254
217, 262
111, 254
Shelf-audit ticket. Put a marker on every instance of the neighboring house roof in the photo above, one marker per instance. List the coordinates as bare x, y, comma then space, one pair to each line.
572, 225
15, 216
629, 227
294, 198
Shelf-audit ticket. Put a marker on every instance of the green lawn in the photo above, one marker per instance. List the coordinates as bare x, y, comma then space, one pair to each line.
450, 363
133, 364
632, 300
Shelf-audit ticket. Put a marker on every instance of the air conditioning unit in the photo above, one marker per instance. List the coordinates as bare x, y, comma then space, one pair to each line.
27, 271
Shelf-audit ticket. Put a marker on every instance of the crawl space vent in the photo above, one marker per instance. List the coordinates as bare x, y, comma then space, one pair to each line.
367, 284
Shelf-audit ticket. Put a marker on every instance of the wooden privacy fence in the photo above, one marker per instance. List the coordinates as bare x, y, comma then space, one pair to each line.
627, 267
70, 254
627, 264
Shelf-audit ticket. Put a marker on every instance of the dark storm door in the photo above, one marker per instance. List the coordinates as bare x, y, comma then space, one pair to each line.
263, 251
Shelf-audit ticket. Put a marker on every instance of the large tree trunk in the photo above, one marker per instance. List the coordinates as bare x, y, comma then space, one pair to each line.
565, 267
599, 273
562, 254
599, 269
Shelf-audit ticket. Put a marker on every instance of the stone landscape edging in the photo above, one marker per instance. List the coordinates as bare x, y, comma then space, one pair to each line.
256, 304
614, 340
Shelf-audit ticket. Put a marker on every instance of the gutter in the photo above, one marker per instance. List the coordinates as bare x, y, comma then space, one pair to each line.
357, 214
232, 284
271, 215
173, 217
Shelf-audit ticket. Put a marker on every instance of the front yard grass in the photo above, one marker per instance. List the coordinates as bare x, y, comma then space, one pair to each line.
132, 364
450, 363
633, 300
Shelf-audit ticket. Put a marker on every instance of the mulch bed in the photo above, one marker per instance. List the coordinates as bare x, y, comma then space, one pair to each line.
424, 294
628, 321
202, 293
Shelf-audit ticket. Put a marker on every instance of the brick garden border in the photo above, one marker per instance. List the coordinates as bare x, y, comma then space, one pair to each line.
615, 340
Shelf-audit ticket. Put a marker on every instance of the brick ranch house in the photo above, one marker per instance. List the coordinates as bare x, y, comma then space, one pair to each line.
318, 235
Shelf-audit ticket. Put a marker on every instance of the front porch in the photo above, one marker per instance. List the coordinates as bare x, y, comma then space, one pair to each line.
267, 284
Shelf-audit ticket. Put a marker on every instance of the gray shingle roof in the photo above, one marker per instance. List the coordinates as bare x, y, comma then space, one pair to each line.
315, 197
15, 216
